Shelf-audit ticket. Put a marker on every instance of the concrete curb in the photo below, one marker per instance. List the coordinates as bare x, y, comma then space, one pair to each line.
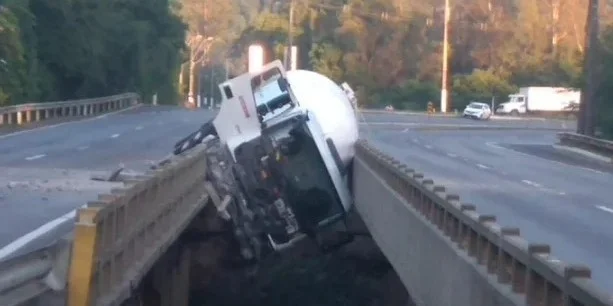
451, 127
459, 115
583, 152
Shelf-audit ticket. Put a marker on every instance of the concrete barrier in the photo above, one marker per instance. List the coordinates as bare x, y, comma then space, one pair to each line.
33, 112
598, 146
448, 254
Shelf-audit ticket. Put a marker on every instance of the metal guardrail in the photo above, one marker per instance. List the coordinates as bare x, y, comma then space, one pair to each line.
116, 239
31, 112
119, 237
596, 145
526, 269
26, 277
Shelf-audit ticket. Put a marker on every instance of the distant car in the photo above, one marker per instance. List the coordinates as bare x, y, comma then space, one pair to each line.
477, 110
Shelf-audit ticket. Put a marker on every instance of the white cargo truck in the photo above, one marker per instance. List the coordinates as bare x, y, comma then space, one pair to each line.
539, 100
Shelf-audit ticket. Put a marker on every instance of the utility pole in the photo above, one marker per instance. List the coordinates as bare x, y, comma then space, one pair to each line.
290, 37
211, 88
227, 66
445, 72
587, 115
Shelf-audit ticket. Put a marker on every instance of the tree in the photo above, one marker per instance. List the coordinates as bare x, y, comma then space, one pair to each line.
60, 49
210, 24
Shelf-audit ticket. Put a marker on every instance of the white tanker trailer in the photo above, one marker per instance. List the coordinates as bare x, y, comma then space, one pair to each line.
281, 156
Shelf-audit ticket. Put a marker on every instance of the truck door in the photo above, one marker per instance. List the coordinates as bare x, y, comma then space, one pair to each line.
522, 102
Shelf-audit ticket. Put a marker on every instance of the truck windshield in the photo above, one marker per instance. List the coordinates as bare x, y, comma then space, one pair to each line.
516, 99
267, 93
271, 100
270, 94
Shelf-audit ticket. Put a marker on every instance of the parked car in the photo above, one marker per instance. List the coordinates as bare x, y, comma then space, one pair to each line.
477, 110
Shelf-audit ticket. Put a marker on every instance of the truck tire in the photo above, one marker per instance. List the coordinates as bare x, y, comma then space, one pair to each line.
514, 113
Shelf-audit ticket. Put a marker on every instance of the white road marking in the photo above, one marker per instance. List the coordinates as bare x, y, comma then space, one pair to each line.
405, 130
482, 166
493, 145
46, 127
531, 183
452, 155
114, 135
543, 189
81, 148
429, 147
138, 128
35, 234
36, 157
604, 208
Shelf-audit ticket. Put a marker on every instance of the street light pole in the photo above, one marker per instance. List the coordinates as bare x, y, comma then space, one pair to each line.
445, 72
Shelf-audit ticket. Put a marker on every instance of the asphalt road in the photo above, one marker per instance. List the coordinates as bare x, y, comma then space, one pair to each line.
553, 196
45, 173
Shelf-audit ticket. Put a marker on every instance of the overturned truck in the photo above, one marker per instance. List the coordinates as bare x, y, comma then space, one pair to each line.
279, 153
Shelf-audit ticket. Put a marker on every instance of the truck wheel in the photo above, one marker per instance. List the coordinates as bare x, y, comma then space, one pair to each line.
514, 113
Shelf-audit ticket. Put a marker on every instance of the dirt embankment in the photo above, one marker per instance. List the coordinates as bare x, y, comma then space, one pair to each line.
358, 274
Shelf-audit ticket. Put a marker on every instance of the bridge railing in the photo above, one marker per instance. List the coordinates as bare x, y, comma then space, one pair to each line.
119, 237
116, 239
596, 145
515, 272
32, 112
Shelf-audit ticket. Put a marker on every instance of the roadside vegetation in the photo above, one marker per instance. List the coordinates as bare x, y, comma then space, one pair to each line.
389, 50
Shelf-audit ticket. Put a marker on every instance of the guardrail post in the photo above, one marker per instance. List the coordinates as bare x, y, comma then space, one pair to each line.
80, 282
19, 118
1, 119
28, 116
536, 286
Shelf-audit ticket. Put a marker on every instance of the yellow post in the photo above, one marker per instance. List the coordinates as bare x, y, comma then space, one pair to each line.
82, 265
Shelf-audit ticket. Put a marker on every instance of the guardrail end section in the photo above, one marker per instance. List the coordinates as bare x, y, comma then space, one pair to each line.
83, 258
58, 276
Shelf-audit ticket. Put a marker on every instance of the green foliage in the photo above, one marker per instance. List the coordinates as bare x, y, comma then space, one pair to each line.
605, 91
480, 86
327, 58
413, 95
61, 49
13, 62
390, 50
